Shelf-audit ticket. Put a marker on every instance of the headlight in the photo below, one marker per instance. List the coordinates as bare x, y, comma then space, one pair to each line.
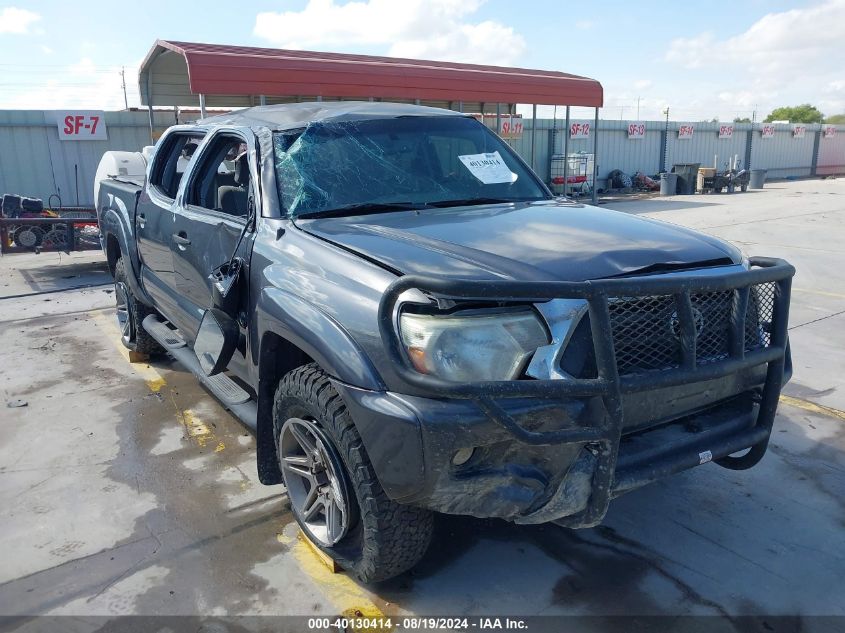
472, 347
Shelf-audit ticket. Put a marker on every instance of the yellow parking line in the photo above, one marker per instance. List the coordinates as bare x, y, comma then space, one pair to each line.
155, 381
812, 407
340, 590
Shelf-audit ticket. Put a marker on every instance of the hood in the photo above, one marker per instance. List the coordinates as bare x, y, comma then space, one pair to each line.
530, 241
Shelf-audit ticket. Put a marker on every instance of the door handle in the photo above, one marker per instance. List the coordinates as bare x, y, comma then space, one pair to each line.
181, 240
142, 220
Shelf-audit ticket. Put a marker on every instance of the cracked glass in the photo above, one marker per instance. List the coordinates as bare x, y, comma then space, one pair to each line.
404, 162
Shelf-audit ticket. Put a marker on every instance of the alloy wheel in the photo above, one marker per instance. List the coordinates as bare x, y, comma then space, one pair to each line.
315, 481
124, 316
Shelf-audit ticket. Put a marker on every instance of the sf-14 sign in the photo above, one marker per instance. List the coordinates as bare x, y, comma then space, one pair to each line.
82, 125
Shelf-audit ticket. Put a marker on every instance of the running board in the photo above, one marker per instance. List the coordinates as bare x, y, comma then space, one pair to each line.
226, 390
164, 335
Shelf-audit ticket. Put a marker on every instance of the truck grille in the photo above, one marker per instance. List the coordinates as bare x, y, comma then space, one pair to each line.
646, 329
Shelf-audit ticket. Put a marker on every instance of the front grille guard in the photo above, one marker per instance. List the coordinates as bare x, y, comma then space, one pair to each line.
603, 439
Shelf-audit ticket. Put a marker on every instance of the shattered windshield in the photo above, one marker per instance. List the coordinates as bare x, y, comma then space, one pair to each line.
406, 162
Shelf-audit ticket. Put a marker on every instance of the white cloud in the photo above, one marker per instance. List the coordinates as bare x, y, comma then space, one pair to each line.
783, 58
584, 25
46, 50
432, 29
642, 84
17, 21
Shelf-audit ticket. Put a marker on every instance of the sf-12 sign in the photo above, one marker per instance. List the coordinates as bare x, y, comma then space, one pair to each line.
636, 129
82, 125
829, 131
686, 131
579, 130
798, 131
767, 131
726, 131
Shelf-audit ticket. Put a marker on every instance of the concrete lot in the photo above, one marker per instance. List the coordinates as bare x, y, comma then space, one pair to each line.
127, 490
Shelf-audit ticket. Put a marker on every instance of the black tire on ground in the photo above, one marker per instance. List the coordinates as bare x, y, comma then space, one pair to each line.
133, 335
386, 538
743, 188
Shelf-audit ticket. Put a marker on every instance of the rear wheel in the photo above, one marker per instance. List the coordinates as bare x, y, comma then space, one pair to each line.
332, 487
130, 313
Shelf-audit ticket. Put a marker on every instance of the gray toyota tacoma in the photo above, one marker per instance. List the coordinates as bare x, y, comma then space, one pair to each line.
412, 323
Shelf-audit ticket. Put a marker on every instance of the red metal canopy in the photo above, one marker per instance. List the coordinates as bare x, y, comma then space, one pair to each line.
174, 73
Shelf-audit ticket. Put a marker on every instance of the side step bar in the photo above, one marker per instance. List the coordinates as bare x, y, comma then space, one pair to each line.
226, 390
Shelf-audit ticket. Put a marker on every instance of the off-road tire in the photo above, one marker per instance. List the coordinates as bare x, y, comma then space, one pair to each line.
140, 341
388, 538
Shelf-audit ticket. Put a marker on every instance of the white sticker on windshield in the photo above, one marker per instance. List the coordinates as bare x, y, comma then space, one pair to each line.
488, 168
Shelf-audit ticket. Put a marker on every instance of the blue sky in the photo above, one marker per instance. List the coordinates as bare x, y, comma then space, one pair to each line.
703, 60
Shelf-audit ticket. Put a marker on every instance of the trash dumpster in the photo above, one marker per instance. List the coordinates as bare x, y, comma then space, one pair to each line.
668, 184
687, 175
758, 178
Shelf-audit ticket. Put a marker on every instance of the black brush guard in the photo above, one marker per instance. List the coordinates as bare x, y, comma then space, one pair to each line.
604, 437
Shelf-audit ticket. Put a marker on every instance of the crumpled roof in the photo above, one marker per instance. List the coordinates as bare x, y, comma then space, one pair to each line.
298, 115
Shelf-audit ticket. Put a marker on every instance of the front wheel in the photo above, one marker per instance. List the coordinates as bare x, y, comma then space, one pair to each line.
332, 488
130, 314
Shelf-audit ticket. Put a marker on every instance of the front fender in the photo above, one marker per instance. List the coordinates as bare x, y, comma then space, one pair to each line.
318, 335
114, 220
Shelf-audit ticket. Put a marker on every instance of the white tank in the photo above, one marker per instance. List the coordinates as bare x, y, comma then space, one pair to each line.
121, 165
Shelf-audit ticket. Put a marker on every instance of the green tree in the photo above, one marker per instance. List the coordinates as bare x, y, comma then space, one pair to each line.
836, 118
804, 113
742, 119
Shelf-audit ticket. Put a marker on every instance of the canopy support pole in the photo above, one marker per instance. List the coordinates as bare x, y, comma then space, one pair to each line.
202, 105
533, 136
566, 153
595, 156
262, 100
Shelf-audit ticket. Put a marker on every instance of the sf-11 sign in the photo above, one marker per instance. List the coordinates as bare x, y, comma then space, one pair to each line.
82, 125
767, 131
511, 127
798, 131
726, 131
579, 130
686, 131
829, 131
636, 129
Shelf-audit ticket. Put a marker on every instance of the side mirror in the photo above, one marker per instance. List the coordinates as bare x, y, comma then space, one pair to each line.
216, 341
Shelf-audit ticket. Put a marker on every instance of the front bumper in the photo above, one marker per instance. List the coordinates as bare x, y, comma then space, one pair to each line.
558, 450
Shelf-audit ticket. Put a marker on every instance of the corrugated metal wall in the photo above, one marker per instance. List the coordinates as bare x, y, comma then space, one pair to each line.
832, 154
784, 155
34, 162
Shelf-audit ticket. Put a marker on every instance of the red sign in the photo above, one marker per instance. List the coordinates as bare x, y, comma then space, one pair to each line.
726, 131
511, 127
579, 130
767, 131
686, 131
636, 130
82, 125
798, 131
829, 131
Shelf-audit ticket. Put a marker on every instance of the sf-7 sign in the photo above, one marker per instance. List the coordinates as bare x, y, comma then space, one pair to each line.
82, 125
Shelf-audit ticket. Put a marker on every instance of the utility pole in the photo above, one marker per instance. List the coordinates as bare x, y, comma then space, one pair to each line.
123, 85
666, 139
638, 108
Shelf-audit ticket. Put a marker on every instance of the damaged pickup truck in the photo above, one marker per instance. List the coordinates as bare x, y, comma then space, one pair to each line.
412, 323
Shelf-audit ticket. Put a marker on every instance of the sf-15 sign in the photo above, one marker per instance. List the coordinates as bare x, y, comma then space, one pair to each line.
82, 125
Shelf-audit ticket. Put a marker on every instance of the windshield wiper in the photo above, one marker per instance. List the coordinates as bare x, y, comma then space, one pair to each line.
465, 202
364, 207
